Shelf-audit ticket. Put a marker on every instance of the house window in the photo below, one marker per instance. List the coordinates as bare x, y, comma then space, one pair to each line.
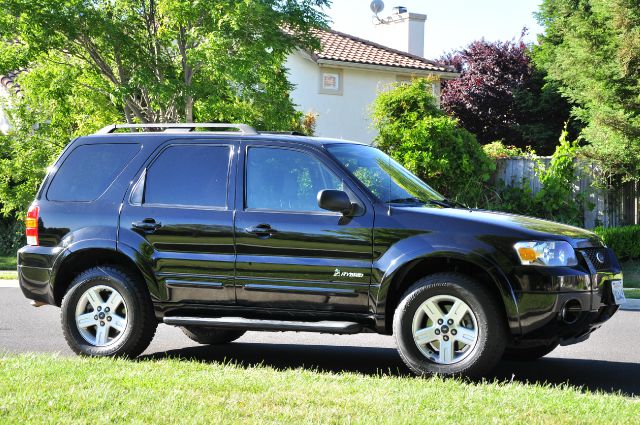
331, 81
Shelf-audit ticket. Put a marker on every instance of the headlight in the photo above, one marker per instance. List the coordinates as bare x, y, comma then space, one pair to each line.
546, 254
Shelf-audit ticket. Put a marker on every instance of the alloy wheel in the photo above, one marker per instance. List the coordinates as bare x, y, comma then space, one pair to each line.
101, 316
445, 329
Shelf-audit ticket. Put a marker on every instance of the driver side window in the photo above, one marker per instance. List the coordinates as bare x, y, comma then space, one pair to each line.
285, 180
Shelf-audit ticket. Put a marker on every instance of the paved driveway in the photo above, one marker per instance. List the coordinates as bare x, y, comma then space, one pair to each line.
609, 361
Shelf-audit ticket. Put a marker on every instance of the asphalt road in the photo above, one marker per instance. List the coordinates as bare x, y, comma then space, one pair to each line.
609, 361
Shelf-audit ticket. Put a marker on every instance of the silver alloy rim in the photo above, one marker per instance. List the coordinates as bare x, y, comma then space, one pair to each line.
101, 316
445, 329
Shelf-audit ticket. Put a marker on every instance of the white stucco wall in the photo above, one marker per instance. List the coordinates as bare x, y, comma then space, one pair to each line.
4, 122
345, 116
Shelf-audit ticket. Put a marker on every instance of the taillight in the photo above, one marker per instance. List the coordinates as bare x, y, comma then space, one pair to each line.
32, 226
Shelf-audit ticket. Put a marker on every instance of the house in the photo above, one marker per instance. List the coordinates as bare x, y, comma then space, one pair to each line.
339, 83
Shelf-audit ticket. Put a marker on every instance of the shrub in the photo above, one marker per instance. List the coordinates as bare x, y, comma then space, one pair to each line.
622, 240
11, 236
430, 144
498, 150
557, 199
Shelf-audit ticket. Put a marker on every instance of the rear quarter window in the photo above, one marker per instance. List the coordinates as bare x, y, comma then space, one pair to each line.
89, 170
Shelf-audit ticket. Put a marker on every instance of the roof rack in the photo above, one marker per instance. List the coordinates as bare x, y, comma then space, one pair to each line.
178, 127
284, 133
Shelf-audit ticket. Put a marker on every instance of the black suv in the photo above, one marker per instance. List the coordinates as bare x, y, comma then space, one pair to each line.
220, 232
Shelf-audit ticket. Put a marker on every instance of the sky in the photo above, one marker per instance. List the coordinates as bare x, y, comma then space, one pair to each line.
450, 24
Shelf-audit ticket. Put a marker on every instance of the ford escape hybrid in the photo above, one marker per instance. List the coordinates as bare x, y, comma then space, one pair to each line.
219, 229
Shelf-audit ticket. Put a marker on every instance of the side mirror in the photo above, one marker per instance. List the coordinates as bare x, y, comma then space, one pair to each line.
335, 200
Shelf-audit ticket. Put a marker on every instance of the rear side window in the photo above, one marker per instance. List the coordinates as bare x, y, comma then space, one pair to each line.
189, 176
89, 170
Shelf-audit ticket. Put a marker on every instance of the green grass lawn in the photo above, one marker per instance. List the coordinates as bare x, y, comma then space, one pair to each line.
8, 275
8, 262
46, 388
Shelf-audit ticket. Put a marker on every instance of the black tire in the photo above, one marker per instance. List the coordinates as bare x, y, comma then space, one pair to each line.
490, 327
529, 353
140, 328
211, 336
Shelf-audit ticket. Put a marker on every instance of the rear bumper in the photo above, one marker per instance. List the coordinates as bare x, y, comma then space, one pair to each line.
35, 265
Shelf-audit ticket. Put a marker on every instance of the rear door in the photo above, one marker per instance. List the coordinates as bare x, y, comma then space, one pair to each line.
178, 217
290, 253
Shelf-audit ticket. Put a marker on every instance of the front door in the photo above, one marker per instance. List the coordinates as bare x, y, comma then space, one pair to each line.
179, 218
290, 253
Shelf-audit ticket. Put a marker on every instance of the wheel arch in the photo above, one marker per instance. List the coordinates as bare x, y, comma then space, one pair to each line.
73, 262
404, 275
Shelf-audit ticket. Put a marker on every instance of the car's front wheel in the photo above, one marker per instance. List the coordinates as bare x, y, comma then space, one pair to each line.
107, 312
449, 324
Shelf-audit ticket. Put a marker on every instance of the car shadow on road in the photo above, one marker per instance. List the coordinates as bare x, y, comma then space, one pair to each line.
588, 374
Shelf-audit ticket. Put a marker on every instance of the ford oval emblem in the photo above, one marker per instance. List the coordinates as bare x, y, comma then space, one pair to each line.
600, 257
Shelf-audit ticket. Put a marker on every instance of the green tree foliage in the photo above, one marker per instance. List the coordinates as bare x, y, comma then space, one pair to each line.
57, 102
432, 145
171, 60
591, 48
92, 63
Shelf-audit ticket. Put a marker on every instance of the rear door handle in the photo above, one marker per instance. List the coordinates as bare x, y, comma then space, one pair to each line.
148, 225
261, 230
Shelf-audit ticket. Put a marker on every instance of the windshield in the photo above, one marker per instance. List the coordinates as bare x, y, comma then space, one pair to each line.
389, 181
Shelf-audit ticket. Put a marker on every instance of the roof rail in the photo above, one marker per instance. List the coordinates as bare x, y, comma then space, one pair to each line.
186, 127
284, 133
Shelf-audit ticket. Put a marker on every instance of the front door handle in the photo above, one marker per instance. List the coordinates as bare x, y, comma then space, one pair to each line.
148, 225
261, 230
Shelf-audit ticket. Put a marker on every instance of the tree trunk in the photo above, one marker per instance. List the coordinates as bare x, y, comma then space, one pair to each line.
188, 109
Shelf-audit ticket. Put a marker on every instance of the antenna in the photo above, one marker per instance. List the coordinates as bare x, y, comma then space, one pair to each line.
377, 6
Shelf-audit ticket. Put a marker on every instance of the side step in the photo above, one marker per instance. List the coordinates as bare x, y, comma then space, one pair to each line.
266, 325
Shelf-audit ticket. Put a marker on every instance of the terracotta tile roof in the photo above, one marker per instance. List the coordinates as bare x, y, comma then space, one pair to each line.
8, 81
342, 47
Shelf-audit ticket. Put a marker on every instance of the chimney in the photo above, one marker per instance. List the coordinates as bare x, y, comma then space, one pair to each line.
402, 31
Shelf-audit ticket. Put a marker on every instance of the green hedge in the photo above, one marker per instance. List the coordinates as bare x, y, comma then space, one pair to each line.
11, 236
625, 240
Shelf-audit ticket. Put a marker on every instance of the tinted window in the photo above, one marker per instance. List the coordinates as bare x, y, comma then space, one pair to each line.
189, 175
282, 179
89, 170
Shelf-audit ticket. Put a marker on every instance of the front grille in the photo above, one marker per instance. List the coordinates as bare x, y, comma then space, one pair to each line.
597, 258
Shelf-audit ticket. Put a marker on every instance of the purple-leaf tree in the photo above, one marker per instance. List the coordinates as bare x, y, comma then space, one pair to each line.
485, 97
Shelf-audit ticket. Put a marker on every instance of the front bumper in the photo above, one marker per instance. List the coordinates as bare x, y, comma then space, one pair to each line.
563, 304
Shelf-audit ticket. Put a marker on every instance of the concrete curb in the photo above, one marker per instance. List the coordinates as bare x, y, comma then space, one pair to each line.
631, 305
8, 283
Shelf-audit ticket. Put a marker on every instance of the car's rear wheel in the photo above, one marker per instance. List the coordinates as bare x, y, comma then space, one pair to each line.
449, 324
529, 353
107, 312
211, 336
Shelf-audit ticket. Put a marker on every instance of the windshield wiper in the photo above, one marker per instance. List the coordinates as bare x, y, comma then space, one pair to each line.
406, 201
444, 202
447, 203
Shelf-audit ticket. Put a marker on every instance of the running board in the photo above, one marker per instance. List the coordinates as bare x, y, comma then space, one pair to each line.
266, 325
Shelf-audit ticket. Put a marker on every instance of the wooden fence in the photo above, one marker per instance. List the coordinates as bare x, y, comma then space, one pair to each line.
612, 206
